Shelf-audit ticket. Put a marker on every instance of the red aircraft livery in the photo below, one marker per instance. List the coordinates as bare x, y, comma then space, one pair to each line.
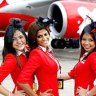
68, 14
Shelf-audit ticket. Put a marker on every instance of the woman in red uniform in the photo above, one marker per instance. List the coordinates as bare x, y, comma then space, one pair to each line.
41, 61
14, 57
84, 72
91, 89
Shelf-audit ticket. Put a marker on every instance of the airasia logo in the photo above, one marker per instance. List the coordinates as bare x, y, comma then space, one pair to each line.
84, 12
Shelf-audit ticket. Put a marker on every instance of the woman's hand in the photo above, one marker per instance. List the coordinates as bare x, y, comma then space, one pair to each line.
81, 91
59, 76
46, 93
19, 93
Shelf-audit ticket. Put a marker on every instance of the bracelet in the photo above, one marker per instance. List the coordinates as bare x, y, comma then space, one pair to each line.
88, 93
9, 94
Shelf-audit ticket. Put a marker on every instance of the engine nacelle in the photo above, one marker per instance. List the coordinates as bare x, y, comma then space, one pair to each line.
69, 16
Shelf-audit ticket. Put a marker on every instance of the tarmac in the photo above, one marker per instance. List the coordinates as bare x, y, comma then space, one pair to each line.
68, 57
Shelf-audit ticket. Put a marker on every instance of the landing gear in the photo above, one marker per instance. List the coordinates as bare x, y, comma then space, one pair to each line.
62, 43
58, 43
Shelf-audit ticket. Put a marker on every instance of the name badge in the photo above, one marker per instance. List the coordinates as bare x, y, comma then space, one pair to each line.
60, 83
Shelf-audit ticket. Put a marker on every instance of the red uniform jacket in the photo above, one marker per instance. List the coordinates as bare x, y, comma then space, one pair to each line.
84, 73
45, 69
10, 67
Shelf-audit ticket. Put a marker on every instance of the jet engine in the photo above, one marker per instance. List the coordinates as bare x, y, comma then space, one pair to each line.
69, 16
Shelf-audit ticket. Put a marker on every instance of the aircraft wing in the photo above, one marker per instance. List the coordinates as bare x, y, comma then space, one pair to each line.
28, 7
27, 10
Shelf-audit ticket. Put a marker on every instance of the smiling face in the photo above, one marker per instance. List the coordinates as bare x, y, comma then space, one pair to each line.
88, 42
43, 38
19, 41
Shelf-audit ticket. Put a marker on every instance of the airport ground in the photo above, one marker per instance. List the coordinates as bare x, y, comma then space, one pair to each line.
68, 57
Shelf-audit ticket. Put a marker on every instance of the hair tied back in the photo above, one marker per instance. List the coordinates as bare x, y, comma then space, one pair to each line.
93, 24
16, 22
44, 22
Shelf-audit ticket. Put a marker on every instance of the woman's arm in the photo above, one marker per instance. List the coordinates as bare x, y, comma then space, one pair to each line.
5, 92
64, 76
29, 90
7, 67
84, 92
93, 91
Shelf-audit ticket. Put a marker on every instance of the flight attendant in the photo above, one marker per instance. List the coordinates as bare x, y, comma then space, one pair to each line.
14, 56
84, 72
41, 61
90, 60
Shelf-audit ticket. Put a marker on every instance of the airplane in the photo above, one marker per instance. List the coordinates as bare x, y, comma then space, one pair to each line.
69, 15
27, 10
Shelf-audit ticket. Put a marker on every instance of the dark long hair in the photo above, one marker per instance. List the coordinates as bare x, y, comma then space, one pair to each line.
15, 24
89, 29
39, 24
